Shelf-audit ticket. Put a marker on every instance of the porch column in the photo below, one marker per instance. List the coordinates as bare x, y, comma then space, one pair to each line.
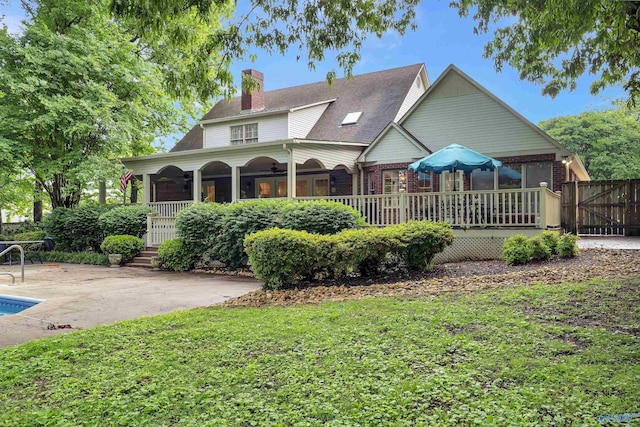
197, 185
354, 183
146, 189
235, 183
291, 178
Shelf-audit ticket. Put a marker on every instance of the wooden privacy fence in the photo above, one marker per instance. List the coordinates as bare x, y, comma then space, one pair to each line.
608, 207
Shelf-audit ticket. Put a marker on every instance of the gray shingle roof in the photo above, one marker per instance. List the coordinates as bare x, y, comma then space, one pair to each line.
378, 95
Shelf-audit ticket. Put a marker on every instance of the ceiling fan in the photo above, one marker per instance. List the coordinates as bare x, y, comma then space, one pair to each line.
275, 170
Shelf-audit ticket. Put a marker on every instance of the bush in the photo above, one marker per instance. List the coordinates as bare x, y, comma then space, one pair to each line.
199, 225
421, 241
128, 246
538, 248
550, 238
3, 238
279, 257
320, 217
29, 235
218, 231
174, 255
567, 246
516, 250
76, 229
125, 220
91, 258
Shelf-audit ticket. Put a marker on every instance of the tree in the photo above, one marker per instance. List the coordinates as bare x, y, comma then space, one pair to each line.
553, 42
77, 92
607, 141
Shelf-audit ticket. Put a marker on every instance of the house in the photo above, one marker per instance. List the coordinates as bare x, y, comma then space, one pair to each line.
352, 142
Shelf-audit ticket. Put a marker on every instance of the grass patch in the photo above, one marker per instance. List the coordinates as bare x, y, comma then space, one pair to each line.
558, 355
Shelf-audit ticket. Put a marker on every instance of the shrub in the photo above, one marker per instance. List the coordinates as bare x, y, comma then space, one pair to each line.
538, 248
174, 255
362, 250
320, 217
567, 245
125, 220
550, 238
30, 235
516, 250
76, 229
279, 257
421, 241
92, 258
199, 225
128, 246
3, 237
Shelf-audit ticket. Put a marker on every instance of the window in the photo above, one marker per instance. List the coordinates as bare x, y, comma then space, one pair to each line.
425, 182
393, 181
321, 187
244, 134
510, 177
536, 173
482, 180
351, 118
526, 175
371, 180
449, 184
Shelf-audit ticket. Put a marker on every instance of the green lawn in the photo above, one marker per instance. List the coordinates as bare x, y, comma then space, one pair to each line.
549, 355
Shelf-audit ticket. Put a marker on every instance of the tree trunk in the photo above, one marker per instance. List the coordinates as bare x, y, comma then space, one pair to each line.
37, 203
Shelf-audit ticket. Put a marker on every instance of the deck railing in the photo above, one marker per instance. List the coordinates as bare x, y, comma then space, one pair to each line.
530, 207
170, 209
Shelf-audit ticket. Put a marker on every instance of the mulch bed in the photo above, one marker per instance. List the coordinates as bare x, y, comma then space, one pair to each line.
456, 277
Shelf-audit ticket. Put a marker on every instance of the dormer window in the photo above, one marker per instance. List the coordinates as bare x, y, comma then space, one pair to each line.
351, 118
244, 134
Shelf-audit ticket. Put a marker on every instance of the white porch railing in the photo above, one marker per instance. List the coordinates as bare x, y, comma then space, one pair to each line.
530, 207
170, 209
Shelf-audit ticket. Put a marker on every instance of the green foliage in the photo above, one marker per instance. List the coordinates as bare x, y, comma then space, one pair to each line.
538, 248
422, 241
280, 257
568, 246
218, 230
175, 256
3, 238
30, 235
550, 239
130, 220
516, 250
607, 141
91, 258
128, 246
199, 225
320, 217
314, 28
557, 41
76, 229
79, 90
535, 355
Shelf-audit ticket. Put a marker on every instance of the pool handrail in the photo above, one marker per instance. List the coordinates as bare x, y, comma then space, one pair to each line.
13, 282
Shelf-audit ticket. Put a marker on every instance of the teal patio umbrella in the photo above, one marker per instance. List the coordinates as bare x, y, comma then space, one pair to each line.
453, 158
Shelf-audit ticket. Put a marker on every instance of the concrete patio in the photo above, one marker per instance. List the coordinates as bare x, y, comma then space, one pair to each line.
84, 296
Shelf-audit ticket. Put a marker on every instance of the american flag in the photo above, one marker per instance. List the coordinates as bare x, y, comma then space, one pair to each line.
124, 179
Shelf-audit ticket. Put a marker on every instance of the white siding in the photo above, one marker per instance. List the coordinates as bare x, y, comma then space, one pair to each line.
302, 121
329, 156
475, 121
394, 148
417, 89
454, 85
270, 128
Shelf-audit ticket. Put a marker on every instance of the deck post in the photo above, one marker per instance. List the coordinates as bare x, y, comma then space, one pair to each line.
235, 183
197, 185
402, 206
147, 237
543, 206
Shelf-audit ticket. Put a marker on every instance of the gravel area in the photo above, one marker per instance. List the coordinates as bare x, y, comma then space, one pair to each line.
455, 277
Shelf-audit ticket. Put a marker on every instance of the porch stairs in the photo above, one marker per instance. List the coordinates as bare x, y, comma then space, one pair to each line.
144, 259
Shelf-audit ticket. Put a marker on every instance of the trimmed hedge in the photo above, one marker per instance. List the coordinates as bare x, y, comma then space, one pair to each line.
125, 220
280, 257
128, 246
91, 258
218, 230
29, 235
174, 255
519, 249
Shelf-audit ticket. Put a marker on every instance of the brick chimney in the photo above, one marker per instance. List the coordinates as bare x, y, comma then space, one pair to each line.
254, 101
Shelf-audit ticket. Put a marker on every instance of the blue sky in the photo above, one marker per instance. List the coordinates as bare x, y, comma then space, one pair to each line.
442, 38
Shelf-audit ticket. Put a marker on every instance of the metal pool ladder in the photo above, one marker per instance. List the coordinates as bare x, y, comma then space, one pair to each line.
13, 278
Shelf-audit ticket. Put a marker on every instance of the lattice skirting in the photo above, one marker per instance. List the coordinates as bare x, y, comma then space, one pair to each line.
479, 244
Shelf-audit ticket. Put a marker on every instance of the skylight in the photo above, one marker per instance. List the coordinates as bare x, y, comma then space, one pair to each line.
352, 118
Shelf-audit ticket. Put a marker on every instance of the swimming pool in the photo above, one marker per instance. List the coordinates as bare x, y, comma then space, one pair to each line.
10, 304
